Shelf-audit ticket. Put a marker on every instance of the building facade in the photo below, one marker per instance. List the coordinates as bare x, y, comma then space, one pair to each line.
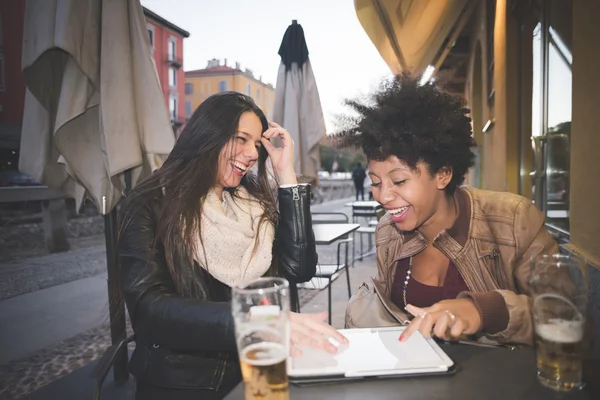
527, 72
166, 41
12, 84
217, 77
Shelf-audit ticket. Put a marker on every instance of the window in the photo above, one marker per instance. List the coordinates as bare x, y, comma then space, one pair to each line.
172, 48
267, 98
222, 86
205, 88
151, 36
172, 77
258, 94
248, 89
173, 108
188, 109
551, 112
189, 88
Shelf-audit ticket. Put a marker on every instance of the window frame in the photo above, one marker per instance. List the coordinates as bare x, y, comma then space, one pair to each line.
173, 111
172, 45
546, 139
188, 109
172, 74
151, 29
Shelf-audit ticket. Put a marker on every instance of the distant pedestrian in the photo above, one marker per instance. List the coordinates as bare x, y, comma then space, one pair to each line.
358, 176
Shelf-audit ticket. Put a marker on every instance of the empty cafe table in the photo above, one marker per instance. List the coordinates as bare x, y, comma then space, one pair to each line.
329, 233
326, 234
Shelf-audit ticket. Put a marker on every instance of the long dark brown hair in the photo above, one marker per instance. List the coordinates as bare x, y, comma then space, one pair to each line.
186, 177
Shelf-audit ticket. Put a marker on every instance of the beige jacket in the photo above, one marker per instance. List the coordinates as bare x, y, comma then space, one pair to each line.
491, 243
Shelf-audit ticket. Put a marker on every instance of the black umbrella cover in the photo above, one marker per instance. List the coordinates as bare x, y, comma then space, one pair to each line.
293, 47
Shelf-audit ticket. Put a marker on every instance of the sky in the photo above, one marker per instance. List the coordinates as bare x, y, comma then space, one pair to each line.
344, 60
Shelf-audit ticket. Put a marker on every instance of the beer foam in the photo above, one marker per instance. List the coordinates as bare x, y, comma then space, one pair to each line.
267, 353
561, 331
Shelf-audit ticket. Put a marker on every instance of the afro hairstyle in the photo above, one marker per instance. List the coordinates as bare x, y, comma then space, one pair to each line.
414, 122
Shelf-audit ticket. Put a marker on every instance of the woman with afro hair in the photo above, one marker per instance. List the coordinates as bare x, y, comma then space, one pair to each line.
452, 260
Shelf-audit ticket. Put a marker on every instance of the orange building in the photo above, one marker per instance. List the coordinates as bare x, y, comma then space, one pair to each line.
215, 78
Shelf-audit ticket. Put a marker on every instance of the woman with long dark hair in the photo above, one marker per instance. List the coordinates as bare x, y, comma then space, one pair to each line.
201, 224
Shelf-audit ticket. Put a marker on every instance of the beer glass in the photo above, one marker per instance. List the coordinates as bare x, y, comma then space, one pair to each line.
559, 284
261, 315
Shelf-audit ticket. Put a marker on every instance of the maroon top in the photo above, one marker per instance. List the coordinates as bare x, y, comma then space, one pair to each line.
421, 295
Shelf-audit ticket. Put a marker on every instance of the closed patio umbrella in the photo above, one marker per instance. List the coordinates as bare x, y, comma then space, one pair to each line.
297, 104
95, 121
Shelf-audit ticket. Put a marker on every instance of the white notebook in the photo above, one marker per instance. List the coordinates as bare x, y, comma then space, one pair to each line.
372, 352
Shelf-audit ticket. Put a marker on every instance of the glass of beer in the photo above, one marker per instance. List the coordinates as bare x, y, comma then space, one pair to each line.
261, 314
559, 285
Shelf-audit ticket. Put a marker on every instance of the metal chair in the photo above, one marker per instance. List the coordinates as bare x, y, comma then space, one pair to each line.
369, 231
105, 364
331, 272
362, 212
365, 230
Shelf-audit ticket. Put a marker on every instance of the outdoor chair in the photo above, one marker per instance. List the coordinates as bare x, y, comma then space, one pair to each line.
330, 272
106, 362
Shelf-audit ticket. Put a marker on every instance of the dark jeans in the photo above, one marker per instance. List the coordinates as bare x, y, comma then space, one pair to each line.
360, 189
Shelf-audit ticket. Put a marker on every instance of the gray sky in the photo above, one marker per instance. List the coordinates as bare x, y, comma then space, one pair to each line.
344, 60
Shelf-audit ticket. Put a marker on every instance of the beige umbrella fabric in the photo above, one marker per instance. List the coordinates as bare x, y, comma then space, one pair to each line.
94, 107
297, 104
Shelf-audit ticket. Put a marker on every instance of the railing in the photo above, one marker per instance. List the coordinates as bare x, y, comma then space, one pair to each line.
176, 62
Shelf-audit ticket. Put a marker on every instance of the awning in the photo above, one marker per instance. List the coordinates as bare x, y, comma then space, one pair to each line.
412, 34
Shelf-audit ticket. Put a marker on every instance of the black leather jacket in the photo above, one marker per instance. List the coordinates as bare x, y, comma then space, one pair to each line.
188, 343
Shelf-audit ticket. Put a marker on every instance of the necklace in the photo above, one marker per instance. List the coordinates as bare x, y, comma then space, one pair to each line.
408, 272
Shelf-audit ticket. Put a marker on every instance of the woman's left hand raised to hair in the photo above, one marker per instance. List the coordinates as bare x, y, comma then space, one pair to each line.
282, 158
448, 317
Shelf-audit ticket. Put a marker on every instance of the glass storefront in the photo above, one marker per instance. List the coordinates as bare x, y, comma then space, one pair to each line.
551, 100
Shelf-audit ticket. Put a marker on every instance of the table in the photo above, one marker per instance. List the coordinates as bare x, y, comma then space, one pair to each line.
326, 234
364, 209
483, 373
364, 204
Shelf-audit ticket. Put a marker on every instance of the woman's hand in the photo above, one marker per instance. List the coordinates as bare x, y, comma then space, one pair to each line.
310, 330
458, 315
282, 158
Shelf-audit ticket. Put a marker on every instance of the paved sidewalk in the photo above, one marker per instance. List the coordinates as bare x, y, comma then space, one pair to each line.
41, 319
36, 273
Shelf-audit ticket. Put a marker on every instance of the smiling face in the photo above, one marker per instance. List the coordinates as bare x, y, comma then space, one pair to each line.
240, 154
411, 196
